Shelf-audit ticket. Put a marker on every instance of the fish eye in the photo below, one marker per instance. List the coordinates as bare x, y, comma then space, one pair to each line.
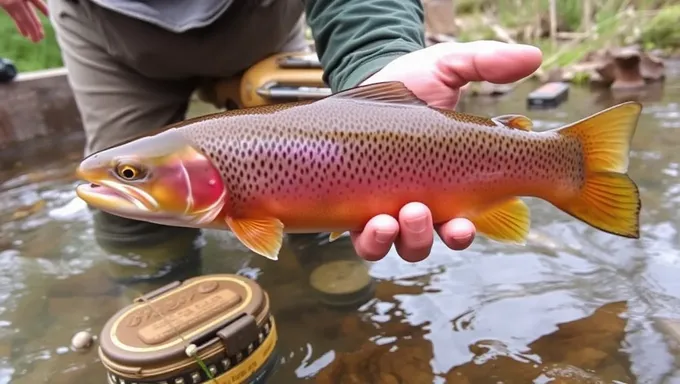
128, 172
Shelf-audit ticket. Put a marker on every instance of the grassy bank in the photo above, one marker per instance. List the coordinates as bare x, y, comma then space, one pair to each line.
578, 26
26, 55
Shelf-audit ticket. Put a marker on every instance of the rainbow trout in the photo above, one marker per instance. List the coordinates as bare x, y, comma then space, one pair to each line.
332, 164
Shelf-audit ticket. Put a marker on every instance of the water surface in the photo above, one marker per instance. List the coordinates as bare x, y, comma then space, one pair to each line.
574, 303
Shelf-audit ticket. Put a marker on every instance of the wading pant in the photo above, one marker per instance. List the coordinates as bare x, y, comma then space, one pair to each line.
130, 77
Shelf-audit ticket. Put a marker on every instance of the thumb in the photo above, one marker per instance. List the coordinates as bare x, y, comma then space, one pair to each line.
492, 61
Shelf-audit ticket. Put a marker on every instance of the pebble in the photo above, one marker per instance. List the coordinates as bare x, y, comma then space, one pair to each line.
81, 341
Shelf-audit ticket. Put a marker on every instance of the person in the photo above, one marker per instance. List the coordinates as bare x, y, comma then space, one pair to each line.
133, 64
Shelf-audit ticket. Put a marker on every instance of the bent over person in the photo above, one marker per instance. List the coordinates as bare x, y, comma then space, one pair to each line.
132, 66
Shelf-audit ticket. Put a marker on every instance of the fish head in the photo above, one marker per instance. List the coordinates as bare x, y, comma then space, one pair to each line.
161, 179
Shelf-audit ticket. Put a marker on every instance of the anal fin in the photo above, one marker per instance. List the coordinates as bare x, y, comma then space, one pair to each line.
508, 222
334, 236
262, 236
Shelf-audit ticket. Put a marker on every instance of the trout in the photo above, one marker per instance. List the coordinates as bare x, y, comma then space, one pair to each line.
331, 165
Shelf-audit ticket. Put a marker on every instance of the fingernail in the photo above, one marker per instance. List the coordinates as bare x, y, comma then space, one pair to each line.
464, 238
384, 236
417, 225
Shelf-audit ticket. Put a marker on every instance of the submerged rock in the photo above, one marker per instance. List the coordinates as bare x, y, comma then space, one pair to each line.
567, 374
584, 351
81, 341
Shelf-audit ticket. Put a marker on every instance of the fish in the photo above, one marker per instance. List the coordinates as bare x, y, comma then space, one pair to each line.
330, 165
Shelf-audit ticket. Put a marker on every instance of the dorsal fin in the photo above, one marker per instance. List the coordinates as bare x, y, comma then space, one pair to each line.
515, 122
394, 92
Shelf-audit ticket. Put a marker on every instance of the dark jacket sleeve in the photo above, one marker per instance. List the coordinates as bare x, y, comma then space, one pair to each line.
356, 38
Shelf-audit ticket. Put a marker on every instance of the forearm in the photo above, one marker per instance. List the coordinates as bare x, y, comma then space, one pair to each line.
356, 38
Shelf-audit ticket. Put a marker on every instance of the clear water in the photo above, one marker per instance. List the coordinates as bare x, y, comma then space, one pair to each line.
491, 314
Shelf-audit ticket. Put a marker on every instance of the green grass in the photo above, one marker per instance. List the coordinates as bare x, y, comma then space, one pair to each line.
663, 31
26, 55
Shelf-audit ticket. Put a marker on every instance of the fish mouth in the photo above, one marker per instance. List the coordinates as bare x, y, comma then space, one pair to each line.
117, 199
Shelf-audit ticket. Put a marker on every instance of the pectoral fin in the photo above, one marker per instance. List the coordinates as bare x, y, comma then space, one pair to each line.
508, 222
515, 122
334, 236
262, 236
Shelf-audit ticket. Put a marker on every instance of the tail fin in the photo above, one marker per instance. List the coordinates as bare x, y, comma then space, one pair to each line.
609, 200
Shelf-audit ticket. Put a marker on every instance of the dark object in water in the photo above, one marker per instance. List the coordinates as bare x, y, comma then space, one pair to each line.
549, 95
214, 326
342, 283
8, 71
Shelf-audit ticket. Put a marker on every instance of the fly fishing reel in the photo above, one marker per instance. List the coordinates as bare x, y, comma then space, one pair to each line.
209, 329
277, 79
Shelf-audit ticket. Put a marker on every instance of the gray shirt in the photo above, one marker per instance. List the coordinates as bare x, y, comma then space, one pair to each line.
174, 15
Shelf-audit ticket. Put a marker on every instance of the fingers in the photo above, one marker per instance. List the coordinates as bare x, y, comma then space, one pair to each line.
377, 238
490, 61
40, 5
35, 28
26, 20
412, 235
457, 234
416, 234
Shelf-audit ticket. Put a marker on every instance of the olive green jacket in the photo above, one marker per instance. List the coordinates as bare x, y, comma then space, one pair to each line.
356, 38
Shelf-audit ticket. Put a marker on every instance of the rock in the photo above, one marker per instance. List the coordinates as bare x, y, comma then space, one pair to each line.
588, 70
586, 358
569, 374
58, 366
591, 343
584, 351
622, 68
403, 356
386, 290
81, 341
493, 364
603, 330
627, 73
8, 71
652, 67
484, 88
409, 363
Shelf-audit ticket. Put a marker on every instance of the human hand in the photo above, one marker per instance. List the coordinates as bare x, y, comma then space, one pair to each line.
25, 17
436, 75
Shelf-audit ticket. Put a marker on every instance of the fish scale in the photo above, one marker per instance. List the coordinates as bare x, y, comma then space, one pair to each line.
333, 164
328, 154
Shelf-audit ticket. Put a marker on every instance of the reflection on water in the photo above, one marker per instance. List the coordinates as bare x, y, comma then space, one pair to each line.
575, 304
